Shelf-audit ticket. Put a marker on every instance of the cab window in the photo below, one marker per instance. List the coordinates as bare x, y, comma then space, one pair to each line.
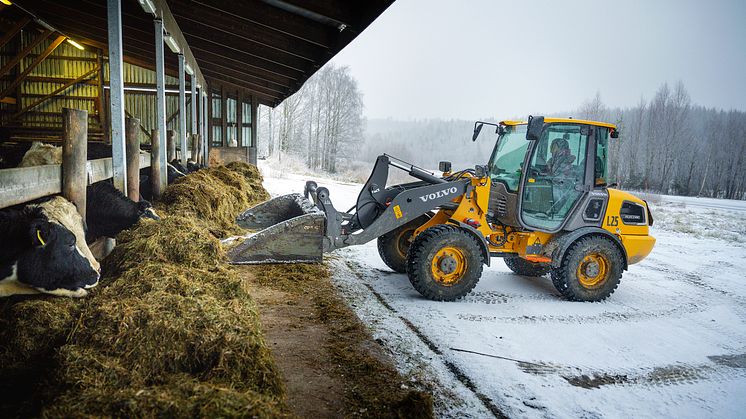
507, 158
602, 152
555, 176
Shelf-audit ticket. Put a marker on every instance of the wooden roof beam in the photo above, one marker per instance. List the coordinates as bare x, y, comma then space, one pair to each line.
21, 55
266, 16
7, 36
232, 54
213, 20
53, 46
264, 56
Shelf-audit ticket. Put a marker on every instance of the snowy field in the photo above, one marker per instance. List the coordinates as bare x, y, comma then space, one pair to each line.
670, 342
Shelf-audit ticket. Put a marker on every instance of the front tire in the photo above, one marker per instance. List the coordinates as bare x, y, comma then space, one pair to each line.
523, 267
394, 245
591, 270
444, 263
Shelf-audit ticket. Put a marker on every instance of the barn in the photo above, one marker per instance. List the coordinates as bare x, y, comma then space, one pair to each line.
187, 73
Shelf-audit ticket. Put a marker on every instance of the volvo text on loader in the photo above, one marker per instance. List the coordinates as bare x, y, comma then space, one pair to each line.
542, 203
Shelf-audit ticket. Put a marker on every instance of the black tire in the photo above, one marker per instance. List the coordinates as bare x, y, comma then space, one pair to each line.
570, 279
423, 260
524, 267
394, 245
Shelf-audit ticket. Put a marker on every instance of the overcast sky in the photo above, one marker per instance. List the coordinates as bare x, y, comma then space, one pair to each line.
473, 59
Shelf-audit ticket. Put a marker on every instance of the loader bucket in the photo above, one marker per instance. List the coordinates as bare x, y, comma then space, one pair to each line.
291, 230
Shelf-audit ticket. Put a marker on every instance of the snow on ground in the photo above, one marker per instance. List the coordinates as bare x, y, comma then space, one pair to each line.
671, 342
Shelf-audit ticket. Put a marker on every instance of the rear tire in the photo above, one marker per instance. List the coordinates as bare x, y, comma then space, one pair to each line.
591, 270
444, 263
523, 267
394, 245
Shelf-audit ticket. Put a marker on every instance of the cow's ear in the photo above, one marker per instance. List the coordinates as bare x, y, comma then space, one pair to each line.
39, 233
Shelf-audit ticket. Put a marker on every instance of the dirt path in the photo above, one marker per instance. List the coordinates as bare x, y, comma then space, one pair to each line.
331, 365
298, 344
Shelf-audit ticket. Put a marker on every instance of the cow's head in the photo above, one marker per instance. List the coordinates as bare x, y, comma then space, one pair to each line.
146, 210
54, 263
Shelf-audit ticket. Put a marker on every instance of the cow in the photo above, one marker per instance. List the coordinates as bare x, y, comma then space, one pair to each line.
146, 187
44, 251
109, 211
41, 154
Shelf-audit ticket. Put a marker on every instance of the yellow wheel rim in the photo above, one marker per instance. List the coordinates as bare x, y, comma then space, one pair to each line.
448, 266
403, 241
593, 270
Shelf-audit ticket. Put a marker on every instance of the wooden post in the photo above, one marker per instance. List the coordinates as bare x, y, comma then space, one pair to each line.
132, 144
74, 157
171, 145
155, 166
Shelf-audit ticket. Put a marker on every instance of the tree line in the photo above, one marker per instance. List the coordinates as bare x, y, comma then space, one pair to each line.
669, 145
322, 122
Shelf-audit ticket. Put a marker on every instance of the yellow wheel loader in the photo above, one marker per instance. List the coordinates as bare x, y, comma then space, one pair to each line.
542, 203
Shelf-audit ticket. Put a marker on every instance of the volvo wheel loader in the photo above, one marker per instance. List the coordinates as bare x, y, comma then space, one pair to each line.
542, 203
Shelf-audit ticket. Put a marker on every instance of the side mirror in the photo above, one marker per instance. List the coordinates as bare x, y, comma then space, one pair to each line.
444, 166
614, 133
535, 127
477, 129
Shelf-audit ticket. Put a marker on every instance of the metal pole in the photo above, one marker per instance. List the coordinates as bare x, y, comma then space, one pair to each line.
201, 126
156, 169
160, 81
206, 142
133, 158
182, 111
116, 85
74, 157
194, 112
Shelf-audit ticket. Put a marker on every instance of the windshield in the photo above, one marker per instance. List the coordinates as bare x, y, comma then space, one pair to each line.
507, 158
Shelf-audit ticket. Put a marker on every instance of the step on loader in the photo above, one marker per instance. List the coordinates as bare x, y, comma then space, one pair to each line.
542, 203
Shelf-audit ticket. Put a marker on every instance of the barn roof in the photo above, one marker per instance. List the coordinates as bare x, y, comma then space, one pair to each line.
269, 47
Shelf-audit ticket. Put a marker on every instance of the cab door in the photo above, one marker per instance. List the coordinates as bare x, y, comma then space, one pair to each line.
555, 177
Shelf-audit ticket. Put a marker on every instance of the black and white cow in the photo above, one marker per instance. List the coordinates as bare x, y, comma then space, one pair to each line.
44, 251
146, 187
109, 211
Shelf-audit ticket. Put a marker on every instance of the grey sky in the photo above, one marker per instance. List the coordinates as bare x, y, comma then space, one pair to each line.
471, 59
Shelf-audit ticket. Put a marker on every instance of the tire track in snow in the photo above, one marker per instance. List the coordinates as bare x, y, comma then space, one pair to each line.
602, 318
722, 368
356, 269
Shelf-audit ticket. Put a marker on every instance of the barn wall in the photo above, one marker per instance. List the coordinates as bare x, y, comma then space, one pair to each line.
67, 63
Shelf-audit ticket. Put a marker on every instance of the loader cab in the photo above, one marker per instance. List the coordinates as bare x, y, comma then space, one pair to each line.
541, 170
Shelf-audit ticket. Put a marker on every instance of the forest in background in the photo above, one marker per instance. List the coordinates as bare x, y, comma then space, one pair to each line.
667, 144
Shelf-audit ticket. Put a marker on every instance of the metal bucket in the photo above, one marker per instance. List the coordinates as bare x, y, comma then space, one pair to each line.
291, 230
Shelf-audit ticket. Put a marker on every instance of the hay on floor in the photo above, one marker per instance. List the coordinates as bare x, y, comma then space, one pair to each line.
170, 331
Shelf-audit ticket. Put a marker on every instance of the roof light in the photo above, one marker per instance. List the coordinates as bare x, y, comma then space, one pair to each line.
6, 2
146, 5
46, 25
188, 69
171, 42
75, 44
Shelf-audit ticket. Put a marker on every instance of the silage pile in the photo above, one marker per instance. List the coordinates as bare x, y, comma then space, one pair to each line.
170, 331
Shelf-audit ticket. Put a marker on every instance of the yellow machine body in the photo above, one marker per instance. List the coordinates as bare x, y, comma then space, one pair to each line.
472, 211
